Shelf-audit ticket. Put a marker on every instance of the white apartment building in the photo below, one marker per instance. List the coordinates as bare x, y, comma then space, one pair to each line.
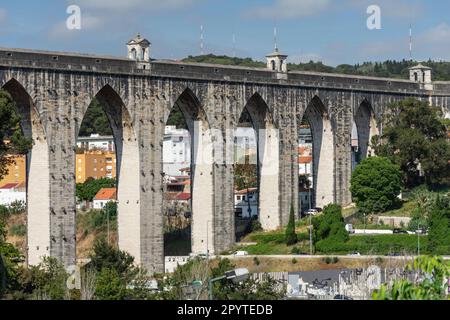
176, 150
242, 207
12, 192
96, 142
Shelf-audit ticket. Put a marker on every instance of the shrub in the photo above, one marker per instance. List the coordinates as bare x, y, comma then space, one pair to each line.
19, 230
294, 261
17, 207
296, 250
256, 226
330, 225
335, 260
256, 261
327, 260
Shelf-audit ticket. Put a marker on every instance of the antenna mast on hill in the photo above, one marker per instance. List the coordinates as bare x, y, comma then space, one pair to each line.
202, 38
275, 38
234, 45
410, 42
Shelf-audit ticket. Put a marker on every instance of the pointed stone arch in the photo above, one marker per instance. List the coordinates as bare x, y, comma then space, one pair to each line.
127, 169
37, 174
323, 137
268, 163
202, 184
367, 127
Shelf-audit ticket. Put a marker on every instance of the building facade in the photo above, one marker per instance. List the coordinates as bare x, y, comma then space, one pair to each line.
96, 165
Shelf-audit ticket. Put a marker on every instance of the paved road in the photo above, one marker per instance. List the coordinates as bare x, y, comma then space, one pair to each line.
318, 257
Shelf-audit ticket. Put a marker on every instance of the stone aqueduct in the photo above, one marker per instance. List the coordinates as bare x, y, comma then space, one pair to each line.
52, 92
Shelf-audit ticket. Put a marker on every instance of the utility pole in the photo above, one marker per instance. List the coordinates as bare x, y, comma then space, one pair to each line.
310, 220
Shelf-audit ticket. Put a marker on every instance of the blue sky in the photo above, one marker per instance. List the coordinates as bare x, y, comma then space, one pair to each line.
332, 31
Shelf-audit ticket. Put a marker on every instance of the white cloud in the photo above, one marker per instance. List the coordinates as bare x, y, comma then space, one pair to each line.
390, 8
88, 23
3, 15
286, 9
433, 43
145, 5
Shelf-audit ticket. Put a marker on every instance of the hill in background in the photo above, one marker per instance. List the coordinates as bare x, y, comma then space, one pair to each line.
389, 68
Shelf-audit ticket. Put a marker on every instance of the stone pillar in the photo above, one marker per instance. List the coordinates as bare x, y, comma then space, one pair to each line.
38, 201
288, 193
343, 144
151, 132
223, 118
269, 183
202, 190
58, 106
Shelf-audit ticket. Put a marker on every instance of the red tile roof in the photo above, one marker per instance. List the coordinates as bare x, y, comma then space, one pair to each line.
177, 196
106, 194
250, 190
305, 160
9, 186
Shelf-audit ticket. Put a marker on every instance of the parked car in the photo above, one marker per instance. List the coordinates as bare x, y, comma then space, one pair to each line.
319, 209
342, 297
311, 212
354, 254
400, 231
241, 253
393, 254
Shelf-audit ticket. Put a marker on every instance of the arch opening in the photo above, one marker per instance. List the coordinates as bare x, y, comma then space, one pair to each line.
263, 171
188, 179
316, 157
364, 129
27, 184
107, 163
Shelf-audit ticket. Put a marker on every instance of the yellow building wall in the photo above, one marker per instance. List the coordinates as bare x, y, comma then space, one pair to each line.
92, 164
95, 164
16, 171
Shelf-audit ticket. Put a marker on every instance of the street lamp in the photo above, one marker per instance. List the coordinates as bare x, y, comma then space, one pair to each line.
418, 240
237, 276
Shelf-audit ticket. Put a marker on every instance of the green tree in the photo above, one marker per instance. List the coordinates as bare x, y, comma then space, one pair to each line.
110, 285
291, 236
12, 139
46, 281
414, 138
106, 256
330, 225
95, 121
177, 119
433, 285
439, 231
375, 185
87, 191
245, 175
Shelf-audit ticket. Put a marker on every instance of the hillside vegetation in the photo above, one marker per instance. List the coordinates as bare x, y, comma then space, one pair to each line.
389, 68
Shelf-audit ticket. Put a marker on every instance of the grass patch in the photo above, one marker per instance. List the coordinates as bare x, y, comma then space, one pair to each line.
374, 245
18, 230
274, 243
405, 211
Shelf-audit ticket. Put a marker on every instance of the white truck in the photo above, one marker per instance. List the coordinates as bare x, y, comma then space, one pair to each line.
349, 228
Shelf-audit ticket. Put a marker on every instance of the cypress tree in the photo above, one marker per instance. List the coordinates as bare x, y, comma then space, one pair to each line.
291, 236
